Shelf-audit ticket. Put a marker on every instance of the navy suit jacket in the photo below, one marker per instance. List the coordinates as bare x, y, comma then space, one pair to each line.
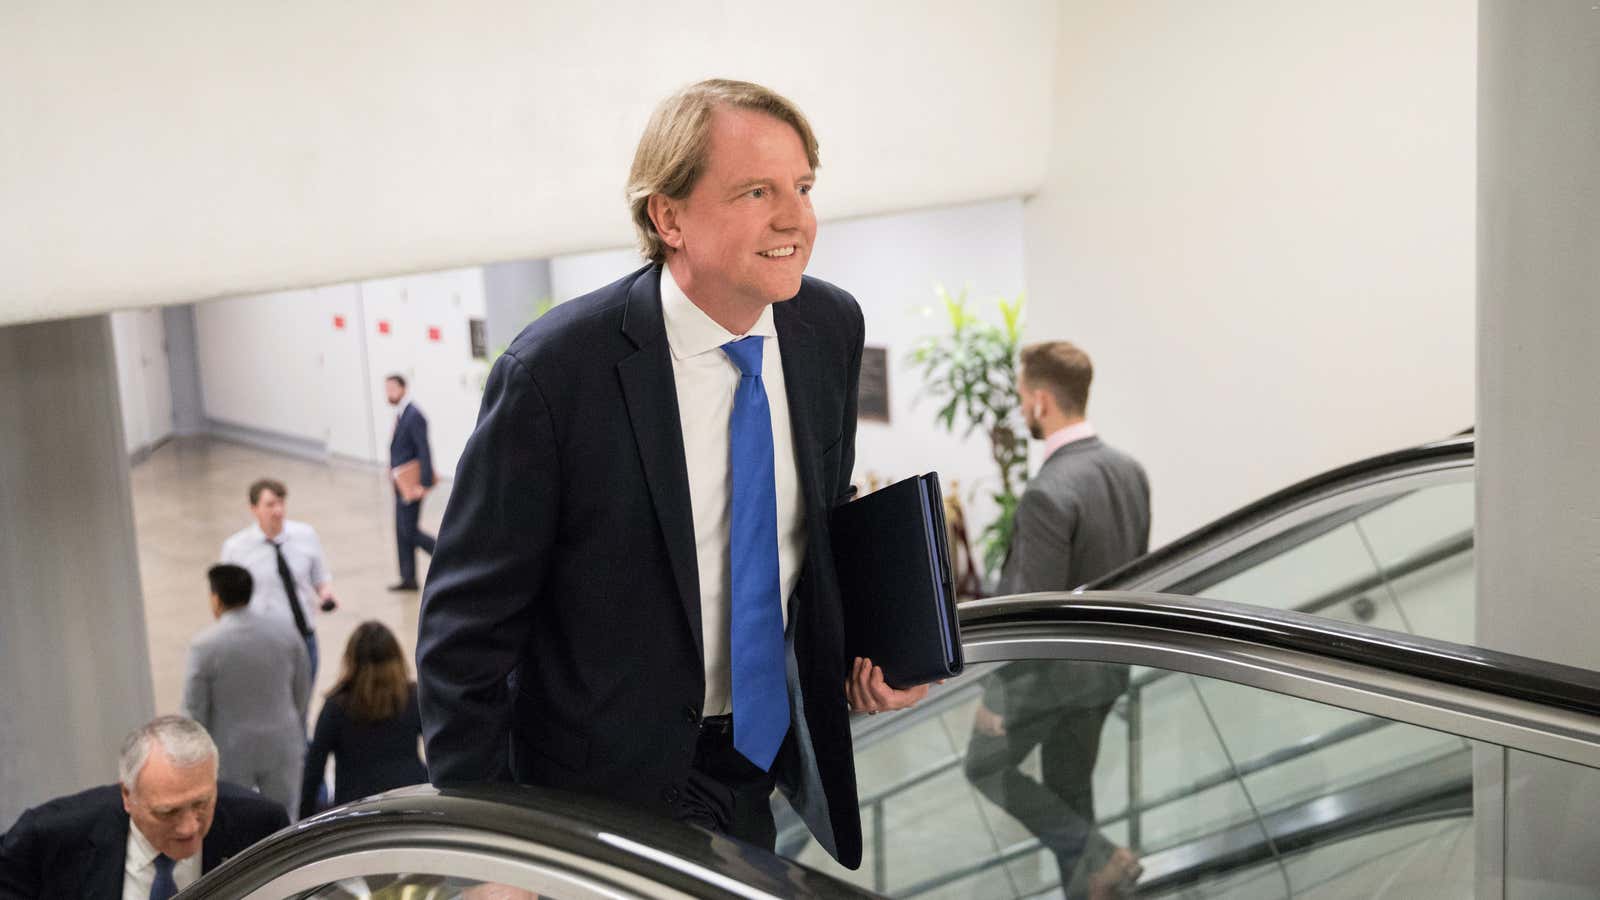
410, 442
77, 846
560, 636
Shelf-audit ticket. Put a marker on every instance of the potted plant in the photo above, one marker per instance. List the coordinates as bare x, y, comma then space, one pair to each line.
972, 370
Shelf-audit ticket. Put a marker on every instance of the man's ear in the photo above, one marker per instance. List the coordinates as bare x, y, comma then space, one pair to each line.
664, 215
127, 800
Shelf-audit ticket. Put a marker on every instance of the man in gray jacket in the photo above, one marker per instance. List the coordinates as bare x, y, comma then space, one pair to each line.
1085, 513
248, 682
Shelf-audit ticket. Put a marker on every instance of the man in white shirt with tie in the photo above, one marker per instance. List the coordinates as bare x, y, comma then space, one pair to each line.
285, 559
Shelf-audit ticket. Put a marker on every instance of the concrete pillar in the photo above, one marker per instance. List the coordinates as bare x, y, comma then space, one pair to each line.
74, 661
1538, 546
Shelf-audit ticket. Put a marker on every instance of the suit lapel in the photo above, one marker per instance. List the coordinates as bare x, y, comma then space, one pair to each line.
106, 860
211, 847
797, 342
651, 395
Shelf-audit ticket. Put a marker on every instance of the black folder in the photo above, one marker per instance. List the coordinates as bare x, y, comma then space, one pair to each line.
893, 560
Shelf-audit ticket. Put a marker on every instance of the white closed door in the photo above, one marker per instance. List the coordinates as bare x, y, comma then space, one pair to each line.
448, 380
345, 400
156, 374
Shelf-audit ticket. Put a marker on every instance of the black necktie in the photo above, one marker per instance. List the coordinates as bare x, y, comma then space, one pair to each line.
163, 886
288, 590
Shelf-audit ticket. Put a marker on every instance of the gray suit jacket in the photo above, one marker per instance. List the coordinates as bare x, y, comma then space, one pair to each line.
1085, 513
248, 682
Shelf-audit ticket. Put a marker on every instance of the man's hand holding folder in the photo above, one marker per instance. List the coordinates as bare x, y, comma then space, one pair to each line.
408, 481
869, 693
892, 558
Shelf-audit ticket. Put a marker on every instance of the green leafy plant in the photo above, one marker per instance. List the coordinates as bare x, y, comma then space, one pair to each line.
972, 370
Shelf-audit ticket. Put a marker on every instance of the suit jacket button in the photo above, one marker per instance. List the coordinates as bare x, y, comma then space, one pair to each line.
670, 795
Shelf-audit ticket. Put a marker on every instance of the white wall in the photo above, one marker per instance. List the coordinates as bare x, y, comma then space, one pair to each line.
310, 364
444, 380
330, 142
261, 362
577, 274
890, 264
1258, 220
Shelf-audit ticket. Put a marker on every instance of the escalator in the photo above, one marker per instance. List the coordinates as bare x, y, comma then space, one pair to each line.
1268, 754
1301, 714
1196, 773
1272, 754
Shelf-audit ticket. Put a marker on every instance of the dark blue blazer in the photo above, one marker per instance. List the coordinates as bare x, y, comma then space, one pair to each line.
410, 442
77, 846
560, 638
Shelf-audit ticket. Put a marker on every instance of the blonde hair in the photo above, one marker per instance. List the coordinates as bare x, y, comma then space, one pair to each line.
672, 151
1062, 369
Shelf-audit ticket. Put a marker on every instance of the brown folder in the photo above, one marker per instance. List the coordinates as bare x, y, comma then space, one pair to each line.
408, 481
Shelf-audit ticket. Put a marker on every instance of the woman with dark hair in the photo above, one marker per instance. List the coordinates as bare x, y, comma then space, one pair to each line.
369, 723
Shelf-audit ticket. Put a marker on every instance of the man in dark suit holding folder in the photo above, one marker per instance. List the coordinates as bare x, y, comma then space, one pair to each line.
633, 595
1086, 512
408, 446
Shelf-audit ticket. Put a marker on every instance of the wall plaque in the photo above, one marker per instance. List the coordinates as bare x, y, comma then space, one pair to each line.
872, 400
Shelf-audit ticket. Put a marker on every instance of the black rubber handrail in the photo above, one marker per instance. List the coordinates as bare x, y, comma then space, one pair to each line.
1503, 674
538, 822
1240, 521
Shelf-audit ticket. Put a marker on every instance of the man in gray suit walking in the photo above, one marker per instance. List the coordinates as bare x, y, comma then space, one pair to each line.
1085, 513
248, 681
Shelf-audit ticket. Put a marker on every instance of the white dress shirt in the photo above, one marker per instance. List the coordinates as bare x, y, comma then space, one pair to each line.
706, 380
303, 551
139, 871
1071, 434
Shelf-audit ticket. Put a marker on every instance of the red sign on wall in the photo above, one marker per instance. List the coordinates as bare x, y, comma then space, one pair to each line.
338, 323
383, 326
434, 333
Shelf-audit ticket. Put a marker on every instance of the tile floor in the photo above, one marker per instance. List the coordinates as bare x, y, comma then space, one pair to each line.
191, 494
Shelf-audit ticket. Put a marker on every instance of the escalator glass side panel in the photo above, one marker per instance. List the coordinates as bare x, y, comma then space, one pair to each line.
1404, 565
1051, 775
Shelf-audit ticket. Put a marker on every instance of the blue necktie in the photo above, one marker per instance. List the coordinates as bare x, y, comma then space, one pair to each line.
760, 694
163, 887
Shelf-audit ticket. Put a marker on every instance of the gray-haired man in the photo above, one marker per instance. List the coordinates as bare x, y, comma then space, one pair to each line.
167, 823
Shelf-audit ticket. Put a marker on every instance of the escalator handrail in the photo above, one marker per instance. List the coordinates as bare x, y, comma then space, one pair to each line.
1504, 675
1457, 451
521, 823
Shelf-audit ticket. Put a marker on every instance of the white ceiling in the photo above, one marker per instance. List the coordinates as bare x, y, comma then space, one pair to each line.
158, 153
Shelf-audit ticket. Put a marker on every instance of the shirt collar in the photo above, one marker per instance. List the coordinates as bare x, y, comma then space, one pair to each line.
1069, 435
690, 332
260, 535
400, 408
139, 847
